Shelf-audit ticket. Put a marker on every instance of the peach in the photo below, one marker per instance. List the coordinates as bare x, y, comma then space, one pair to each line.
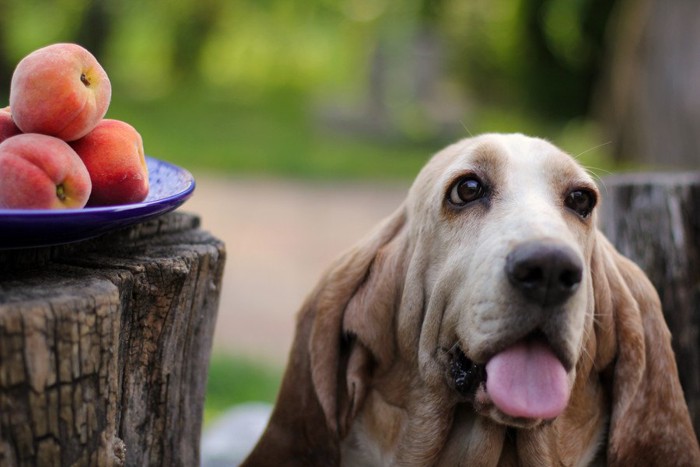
41, 172
114, 157
7, 125
59, 90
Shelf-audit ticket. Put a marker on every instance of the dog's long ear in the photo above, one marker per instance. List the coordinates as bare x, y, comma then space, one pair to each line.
352, 333
649, 423
343, 335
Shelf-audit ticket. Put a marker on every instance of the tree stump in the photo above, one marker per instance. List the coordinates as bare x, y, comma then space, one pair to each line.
654, 219
105, 345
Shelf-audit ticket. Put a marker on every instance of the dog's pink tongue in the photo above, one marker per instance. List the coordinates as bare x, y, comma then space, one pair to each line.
527, 380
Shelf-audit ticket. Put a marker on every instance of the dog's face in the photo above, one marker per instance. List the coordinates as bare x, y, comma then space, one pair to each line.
507, 282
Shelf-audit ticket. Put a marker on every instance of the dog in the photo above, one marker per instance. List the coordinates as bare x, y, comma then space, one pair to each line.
486, 322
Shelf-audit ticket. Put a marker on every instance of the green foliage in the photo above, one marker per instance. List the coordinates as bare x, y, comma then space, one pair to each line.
234, 380
543, 54
277, 135
243, 87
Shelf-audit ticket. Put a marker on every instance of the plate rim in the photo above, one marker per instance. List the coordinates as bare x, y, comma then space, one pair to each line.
105, 209
99, 220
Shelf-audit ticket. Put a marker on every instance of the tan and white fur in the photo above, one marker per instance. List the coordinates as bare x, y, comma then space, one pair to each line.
370, 376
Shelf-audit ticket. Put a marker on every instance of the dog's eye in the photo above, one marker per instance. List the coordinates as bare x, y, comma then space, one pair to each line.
581, 202
465, 190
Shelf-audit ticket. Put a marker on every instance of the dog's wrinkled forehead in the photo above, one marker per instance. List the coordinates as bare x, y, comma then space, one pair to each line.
511, 161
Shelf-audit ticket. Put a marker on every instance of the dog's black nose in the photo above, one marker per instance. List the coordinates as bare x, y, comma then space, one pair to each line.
547, 273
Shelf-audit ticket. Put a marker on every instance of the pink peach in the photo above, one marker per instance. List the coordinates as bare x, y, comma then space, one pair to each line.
41, 172
7, 125
114, 157
59, 90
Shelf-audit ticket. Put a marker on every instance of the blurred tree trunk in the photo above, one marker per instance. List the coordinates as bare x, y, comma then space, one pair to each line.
95, 27
649, 100
553, 84
191, 34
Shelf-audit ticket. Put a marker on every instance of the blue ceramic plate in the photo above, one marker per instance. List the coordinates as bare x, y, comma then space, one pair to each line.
169, 187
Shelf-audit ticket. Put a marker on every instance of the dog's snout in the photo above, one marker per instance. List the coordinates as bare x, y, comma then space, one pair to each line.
545, 273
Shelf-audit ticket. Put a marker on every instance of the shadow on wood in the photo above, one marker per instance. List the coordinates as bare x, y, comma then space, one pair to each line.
105, 345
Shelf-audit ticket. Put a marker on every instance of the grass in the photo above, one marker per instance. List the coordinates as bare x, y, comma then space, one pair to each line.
234, 380
275, 135
279, 134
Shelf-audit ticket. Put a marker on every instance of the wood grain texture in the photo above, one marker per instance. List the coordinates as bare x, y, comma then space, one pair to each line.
654, 219
105, 344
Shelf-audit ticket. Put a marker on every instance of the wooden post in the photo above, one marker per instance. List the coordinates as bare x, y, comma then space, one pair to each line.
654, 219
105, 344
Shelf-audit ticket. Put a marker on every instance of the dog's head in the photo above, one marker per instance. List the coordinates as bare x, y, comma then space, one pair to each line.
503, 267
489, 288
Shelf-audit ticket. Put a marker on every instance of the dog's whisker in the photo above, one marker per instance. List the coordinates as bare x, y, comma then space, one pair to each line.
584, 350
464, 125
595, 172
594, 148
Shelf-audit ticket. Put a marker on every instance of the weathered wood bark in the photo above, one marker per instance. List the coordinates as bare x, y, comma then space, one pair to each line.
105, 344
654, 219
648, 99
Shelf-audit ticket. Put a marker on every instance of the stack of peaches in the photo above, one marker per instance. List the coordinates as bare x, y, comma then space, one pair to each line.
56, 148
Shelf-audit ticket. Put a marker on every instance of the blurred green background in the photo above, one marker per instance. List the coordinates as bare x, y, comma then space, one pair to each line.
363, 89
323, 88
